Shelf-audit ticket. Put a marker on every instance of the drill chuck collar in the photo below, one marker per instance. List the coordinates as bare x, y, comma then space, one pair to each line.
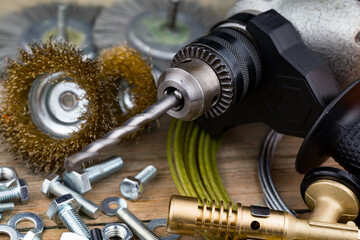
250, 69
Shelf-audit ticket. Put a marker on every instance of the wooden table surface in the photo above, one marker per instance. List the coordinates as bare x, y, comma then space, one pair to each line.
237, 163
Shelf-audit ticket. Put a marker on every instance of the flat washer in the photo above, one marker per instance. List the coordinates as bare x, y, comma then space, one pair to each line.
161, 222
105, 205
26, 216
10, 231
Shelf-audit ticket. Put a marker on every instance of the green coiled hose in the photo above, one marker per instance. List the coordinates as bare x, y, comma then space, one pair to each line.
191, 154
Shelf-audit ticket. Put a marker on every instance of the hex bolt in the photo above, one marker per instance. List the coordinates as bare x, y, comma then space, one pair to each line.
136, 225
20, 192
64, 210
81, 182
52, 186
133, 187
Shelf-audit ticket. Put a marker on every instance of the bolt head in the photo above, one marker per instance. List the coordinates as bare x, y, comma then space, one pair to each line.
131, 188
24, 190
9, 177
71, 236
33, 234
49, 180
58, 203
78, 182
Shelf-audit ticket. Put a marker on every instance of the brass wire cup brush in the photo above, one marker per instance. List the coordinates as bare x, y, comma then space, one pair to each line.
55, 102
331, 194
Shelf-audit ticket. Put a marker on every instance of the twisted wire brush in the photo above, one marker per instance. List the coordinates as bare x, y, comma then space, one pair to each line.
157, 28
55, 102
39, 22
191, 154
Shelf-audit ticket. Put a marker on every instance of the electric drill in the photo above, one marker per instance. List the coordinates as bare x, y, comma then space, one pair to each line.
248, 68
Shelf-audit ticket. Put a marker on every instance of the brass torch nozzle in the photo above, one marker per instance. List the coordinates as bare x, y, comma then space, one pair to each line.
189, 218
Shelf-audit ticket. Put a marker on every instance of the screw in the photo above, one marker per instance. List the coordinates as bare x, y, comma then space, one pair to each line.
20, 192
81, 182
133, 187
52, 186
64, 210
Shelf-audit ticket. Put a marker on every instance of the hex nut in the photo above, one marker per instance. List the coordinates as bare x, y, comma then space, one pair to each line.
33, 234
23, 190
131, 188
53, 211
116, 230
49, 180
78, 182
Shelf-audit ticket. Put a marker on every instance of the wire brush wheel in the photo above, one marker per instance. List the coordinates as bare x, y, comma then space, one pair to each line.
40, 23
136, 86
54, 103
142, 24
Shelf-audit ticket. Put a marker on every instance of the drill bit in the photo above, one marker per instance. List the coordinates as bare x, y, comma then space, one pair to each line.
92, 151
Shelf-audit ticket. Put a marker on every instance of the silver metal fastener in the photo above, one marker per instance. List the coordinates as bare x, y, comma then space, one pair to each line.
52, 186
161, 222
6, 207
33, 234
20, 192
10, 231
133, 187
81, 181
135, 224
72, 236
116, 230
64, 210
26, 216
8, 176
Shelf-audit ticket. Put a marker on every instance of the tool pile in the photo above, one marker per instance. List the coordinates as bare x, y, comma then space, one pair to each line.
62, 108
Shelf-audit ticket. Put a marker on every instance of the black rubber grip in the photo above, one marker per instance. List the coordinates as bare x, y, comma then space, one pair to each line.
347, 152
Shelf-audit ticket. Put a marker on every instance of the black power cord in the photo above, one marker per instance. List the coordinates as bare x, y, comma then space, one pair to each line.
271, 195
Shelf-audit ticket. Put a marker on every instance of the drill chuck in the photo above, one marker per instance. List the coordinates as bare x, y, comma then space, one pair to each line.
213, 72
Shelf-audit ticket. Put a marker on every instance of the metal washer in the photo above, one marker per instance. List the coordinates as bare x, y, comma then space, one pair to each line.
10, 231
25, 216
161, 222
105, 205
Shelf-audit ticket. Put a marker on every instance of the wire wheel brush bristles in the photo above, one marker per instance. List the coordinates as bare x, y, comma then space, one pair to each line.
143, 25
137, 88
39, 23
101, 81
42, 151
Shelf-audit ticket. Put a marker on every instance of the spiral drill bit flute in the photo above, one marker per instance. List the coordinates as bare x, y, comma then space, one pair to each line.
246, 69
